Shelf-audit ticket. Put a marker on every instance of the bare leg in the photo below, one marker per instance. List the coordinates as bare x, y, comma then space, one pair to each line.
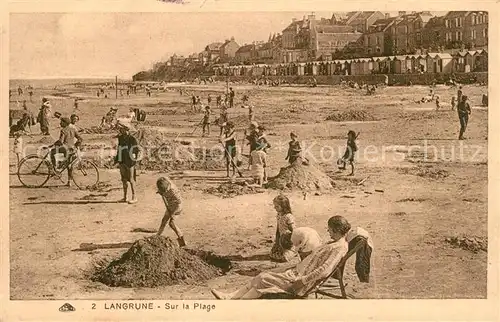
132, 189
166, 218
175, 228
352, 168
125, 189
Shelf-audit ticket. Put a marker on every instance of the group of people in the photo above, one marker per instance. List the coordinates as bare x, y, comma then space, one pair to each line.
317, 259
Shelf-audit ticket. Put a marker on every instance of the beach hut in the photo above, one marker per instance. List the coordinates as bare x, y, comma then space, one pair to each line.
463, 61
398, 64
481, 61
439, 63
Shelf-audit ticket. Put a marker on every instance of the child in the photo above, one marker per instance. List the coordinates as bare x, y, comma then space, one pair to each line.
229, 142
69, 140
349, 152
285, 223
437, 103
75, 104
209, 99
127, 156
18, 143
173, 204
294, 149
453, 103
206, 120
258, 165
250, 112
222, 120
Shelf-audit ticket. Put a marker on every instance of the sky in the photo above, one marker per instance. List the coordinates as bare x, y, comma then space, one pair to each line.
87, 45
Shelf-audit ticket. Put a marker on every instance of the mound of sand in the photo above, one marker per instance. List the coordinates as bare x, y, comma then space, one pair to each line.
230, 190
300, 176
46, 140
162, 153
351, 115
156, 261
98, 130
473, 244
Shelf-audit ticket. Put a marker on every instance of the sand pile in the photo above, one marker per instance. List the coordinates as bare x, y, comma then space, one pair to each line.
99, 130
156, 261
301, 176
426, 171
473, 244
230, 190
351, 115
164, 154
46, 140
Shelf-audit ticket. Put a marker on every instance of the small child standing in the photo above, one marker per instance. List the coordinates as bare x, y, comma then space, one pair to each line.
349, 152
258, 161
206, 120
285, 223
173, 203
453, 101
294, 149
18, 146
437, 103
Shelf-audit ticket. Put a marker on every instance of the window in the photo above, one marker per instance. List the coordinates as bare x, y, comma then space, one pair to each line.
447, 23
448, 37
473, 20
473, 34
378, 41
485, 32
458, 36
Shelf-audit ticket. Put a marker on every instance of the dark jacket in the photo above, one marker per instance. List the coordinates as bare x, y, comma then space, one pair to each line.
363, 258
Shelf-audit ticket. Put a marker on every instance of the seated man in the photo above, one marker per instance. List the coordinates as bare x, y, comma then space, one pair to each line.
302, 277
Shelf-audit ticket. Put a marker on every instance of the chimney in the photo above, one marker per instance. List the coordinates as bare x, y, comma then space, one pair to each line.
387, 16
401, 13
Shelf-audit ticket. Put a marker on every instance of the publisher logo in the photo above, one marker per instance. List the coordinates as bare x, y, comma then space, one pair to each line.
67, 308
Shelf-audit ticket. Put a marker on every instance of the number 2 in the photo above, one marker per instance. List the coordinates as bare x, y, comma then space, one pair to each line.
93, 306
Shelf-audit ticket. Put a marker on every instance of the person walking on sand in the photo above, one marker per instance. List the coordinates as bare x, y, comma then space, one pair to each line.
349, 153
173, 207
464, 111
127, 156
258, 161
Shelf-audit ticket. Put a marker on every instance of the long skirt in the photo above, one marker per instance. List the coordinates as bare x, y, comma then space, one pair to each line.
44, 125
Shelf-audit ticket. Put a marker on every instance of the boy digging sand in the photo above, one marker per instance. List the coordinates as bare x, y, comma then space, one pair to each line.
127, 156
173, 204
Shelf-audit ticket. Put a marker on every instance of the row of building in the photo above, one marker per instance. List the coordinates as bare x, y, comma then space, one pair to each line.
355, 34
461, 62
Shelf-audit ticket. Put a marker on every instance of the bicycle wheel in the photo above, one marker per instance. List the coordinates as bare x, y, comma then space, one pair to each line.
85, 174
33, 171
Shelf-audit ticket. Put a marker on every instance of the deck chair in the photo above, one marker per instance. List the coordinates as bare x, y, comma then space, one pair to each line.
325, 286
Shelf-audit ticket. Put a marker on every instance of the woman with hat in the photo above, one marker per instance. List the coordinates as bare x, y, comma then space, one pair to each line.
43, 116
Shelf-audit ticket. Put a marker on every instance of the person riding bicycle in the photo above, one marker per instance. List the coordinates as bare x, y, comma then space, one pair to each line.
69, 140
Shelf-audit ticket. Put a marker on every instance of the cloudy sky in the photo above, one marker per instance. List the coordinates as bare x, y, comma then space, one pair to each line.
46, 45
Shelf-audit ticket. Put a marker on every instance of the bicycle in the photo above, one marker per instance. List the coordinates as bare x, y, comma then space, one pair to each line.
44, 170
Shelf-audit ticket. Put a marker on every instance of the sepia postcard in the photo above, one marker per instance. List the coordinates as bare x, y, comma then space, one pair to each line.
249, 160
